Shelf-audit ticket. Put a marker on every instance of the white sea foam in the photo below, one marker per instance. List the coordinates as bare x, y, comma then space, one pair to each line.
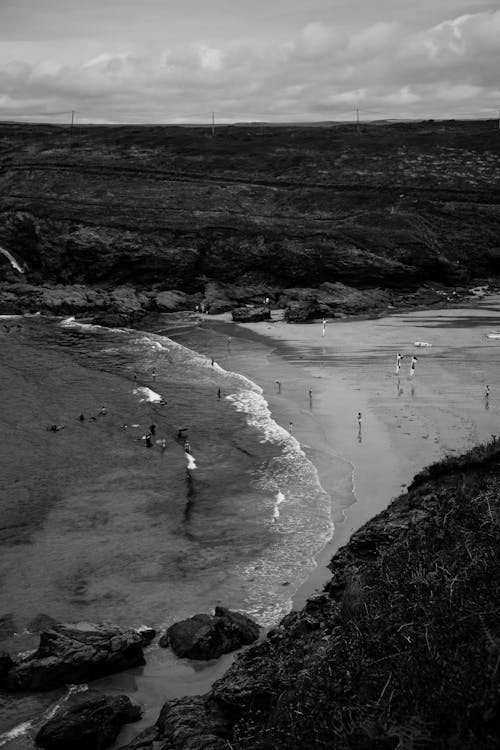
15, 732
191, 460
279, 499
21, 729
71, 322
6, 317
147, 395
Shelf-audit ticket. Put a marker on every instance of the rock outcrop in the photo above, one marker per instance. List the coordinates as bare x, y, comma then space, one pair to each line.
209, 636
250, 314
74, 653
89, 721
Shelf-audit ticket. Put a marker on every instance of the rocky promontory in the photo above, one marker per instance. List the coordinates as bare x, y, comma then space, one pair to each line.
400, 650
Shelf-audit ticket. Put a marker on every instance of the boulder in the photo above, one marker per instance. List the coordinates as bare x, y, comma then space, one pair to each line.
189, 723
300, 310
126, 299
171, 301
75, 653
209, 636
251, 314
147, 634
41, 622
89, 721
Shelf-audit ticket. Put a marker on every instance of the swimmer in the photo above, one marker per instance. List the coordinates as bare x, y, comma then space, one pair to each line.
147, 438
187, 447
55, 427
153, 374
218, 393
103, 410
163, 444
81, 418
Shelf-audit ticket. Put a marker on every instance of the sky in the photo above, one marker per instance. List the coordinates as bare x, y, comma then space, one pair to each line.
168, 61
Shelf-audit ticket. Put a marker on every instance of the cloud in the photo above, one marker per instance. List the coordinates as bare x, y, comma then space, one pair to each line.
386, 69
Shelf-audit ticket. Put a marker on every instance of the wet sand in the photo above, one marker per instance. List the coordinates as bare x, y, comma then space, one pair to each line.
407, 423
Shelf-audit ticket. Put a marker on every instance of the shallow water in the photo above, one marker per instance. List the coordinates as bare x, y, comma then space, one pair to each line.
96, 526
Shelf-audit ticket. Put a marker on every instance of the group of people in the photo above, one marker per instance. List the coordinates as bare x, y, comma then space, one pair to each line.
399, 359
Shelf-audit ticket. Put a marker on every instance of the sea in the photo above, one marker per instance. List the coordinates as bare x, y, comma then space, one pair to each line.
96, 526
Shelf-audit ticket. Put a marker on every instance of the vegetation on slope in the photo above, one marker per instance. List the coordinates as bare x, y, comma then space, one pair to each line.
403, 650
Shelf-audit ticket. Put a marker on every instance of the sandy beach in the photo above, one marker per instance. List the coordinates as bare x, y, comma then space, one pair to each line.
407, 423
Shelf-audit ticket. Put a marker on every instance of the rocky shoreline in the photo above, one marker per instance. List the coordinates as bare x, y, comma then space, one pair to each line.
321, 676
129, 306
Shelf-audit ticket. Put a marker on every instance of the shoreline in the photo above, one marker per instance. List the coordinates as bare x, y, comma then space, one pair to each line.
451, 429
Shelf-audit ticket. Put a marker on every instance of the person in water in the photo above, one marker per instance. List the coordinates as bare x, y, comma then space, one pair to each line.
147, 438
152, 429
153, 374
55, 427
103, 410
218, 393
187, 447
81, 418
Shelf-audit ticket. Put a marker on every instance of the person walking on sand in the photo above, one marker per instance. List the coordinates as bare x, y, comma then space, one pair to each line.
399, 358
412, 366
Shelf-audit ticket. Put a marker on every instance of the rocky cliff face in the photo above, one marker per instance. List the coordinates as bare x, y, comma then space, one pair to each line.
295, 206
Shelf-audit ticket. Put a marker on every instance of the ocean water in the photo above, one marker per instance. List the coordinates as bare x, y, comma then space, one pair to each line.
98, 527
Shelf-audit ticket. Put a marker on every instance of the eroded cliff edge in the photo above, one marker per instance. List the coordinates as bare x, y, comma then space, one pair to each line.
402, 649
173, 207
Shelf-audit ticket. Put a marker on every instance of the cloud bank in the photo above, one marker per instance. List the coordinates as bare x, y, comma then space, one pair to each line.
321, 72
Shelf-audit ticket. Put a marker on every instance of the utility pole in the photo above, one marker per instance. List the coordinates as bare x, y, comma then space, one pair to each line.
72, 118
213, 124
357, 120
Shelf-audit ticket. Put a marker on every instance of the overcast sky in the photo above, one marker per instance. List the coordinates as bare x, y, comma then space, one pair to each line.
274, 60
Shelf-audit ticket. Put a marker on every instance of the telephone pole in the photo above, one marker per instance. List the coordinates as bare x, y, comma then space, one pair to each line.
357, 120
72, 118
213, 124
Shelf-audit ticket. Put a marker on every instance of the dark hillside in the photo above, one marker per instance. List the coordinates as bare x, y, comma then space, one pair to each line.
396, 205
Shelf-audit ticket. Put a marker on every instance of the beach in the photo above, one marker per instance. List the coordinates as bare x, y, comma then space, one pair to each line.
252, 514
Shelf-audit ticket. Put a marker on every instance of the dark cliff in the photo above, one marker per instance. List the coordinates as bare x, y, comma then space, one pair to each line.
296, 206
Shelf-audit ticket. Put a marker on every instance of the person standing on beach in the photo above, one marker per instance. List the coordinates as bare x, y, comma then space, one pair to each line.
218, 393
412, 366
290, 428
310, 397
360, 419
279, 386
229, 342
487, 397
324, 327
187, 447
147, 438
398, 362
